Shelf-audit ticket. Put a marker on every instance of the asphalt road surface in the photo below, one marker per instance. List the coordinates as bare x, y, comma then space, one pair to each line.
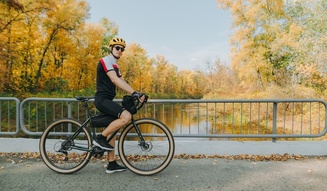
182, 174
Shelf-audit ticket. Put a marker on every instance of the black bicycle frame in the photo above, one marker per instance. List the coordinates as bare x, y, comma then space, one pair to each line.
76, 133
88, 121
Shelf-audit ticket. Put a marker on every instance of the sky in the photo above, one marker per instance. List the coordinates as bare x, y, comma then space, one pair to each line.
188, 33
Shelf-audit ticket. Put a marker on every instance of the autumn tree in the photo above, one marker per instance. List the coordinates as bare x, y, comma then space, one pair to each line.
311, 62
79, 57
16, 41
264, 42
31, 40
279, 46
61, 19
111, 30
136, 67
12, 11
220, 81
164, 77
80, 66
47, 46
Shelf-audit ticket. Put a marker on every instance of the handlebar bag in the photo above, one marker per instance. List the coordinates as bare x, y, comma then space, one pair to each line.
129, 104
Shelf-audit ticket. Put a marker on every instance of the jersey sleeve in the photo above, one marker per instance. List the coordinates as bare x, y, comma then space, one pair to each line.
108, 66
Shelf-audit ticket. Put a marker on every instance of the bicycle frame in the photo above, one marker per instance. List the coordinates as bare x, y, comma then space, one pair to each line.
93, 132
76, 133
112, 135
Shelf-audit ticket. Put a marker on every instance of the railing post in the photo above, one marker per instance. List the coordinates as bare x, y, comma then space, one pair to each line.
69, 115
274, 139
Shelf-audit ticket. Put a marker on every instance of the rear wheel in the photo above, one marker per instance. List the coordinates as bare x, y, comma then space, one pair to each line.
148, 157
62, 153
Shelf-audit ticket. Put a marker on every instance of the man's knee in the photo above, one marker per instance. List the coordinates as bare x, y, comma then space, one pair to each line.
126, 116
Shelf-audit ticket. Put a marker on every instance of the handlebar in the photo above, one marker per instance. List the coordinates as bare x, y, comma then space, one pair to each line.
140, 104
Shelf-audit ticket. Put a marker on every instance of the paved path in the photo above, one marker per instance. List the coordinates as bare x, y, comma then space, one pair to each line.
182, 174
196, 146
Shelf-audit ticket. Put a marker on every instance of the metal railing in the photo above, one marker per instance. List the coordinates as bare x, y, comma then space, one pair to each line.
9, 115
268, 118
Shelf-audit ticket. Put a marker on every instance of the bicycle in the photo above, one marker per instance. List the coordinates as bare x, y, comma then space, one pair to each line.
145, 146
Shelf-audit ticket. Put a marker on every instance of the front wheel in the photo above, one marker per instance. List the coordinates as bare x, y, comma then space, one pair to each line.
150, 156
65, 145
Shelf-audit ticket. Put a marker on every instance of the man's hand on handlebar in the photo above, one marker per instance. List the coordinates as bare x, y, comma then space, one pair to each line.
142, 97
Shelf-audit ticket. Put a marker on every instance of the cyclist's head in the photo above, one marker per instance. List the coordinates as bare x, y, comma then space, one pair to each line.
117, 47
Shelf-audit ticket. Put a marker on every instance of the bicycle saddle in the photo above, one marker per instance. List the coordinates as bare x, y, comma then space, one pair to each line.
84, 98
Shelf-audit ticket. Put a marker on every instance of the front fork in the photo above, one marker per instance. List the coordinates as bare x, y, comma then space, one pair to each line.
142, 143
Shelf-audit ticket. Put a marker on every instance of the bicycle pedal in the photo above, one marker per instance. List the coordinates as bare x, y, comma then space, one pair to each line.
99, 150
98, 155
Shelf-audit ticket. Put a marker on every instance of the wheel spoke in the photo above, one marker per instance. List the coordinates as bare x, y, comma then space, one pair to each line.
151, 156
59, 152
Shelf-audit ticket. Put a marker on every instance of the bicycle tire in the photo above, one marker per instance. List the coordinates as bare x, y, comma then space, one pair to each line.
63, 156
151, 160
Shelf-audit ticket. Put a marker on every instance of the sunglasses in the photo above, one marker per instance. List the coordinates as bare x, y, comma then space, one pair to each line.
119, 48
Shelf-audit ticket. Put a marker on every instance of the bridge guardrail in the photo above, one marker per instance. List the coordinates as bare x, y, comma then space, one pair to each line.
210, 119
9, 115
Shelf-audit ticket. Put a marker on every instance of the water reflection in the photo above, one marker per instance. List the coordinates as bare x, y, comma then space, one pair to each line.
181, 118
255, 118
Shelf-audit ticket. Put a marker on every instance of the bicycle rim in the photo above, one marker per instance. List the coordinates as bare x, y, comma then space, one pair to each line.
157, 153
61, 154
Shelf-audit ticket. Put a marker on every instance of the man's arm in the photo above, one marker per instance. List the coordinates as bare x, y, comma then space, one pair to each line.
119, 82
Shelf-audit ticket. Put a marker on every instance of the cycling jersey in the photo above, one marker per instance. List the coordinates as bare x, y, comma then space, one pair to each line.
105, 87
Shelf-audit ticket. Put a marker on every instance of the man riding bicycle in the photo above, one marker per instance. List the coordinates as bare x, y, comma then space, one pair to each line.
108, 79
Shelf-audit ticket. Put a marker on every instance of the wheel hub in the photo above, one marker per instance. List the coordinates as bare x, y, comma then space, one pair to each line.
146, 146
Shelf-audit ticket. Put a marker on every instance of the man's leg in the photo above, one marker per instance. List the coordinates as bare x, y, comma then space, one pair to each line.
101, 140
124, 119
111, 154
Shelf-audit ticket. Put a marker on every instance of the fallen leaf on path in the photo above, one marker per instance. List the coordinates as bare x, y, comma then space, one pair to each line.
12, 157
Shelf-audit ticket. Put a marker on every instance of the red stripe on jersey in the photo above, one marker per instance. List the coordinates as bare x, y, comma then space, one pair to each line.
115, 66
104, 66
